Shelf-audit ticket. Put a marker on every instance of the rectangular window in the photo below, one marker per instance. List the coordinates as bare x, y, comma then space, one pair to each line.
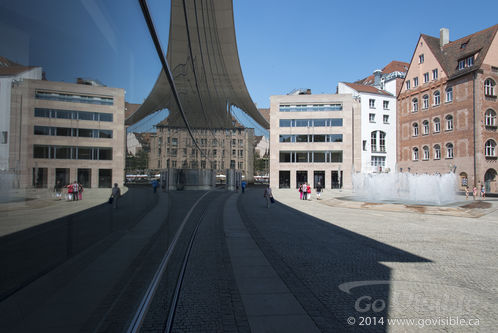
371, 117
42, 130
386, 105
386, 119
371, 103
285, 123
105, 134
85, 153
43, 113
415, 82
470, 61
5, 137
83, 115
285, 157
105, 117
337, 122
407, 85
285, 138
336, 156
301, 123
319, 122
461, 64
301, 138
64, 114
434, 74
335, 138
63, 153
302, 157
105, 154
85, 133
421, 59
318, 138
426, 77
318, 157
41, 151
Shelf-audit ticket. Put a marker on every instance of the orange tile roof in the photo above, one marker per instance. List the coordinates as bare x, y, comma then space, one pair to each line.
367, 89
10, 68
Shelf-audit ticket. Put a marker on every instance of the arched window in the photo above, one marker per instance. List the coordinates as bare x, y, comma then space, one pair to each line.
425, 127
449, 150
449, 122
415, 129
414, 105
425, 102
437, 98
489, 87
490, 118
490, 148
437, 125
426, 153
373, 141
449, 95
437, 152
382, 141
415, 154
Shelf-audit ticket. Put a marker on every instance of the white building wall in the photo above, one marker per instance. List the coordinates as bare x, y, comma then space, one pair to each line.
5, 93
367, 127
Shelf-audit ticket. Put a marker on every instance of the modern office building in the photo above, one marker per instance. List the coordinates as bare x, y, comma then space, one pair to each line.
10, 72
314, 138
66, 132
221, 149
447, 108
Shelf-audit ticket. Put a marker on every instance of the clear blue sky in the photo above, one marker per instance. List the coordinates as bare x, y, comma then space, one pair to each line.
282, 44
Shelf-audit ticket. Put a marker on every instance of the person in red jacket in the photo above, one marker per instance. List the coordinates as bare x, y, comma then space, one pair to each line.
308, 191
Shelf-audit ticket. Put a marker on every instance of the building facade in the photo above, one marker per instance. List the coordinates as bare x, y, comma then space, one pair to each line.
221, 149
314, 138
447, 108
66, 132
378, 126
10, 72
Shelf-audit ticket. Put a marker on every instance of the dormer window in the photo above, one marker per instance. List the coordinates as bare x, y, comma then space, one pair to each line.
469, 61
461, 64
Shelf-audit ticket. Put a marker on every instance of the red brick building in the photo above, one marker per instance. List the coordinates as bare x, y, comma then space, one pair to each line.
447, 108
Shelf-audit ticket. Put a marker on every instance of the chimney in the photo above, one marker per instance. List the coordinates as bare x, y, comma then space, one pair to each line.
444, 36
308, 91
377, 74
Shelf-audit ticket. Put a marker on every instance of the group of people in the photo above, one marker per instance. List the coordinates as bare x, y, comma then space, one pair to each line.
482, 192
72, 192
305, 191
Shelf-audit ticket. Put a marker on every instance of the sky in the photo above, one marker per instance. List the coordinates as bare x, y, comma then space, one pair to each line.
282, 45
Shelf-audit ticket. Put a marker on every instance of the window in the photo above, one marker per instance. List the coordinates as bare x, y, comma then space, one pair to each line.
415, 154
415, 129
407, 85
449, 150
434, 74
437, 152
415, 82
490, 118
426, 153
318, 138
425, 102
371, 117
386, 119
426, 77
449, 122
489, 148
425, 127
364, 145
382, 141
469, 61
461, 64
302, 138
489, 87
421, 59
371, 103
5, 137
437, 98
378, 161
285, 123
386, 105
414, 105
373, 141
437, 125
449, 95
283, 138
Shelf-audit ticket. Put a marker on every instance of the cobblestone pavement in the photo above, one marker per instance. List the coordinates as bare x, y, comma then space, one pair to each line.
351, 267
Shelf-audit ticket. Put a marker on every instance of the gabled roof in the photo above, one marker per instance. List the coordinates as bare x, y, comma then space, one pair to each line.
130, 108
449, 54
10, 68
367, 89
393, 66
265, 113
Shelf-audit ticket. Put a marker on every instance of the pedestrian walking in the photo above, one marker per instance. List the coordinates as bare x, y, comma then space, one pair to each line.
80, 191
75, 191
483, 192
474, 192
301, 192
155, 184
243, 185
70, 192
303, 189
318, 190
58, 190
466, 192
115, 194
308, 192
268, 196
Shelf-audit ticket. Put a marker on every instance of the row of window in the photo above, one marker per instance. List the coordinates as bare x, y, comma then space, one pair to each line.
69, 114
311, 138
334, 156
371, 118
489, 151
310, 108
435, 102
77, 132
72, 153
65, 97
371, 104
330, 122
436, 123
426, 77
195, 164
489, 90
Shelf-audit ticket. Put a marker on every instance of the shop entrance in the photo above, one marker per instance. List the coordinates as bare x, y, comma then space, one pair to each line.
319, 177
284, 179
301, 178
336, 179
85, 177
62, 175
